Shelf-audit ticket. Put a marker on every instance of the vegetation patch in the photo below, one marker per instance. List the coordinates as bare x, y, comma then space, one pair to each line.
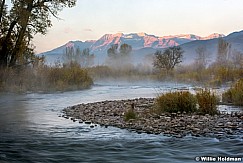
174, 102
69, 78
207, 102
184, 101
45, 79
130, 114
234, 94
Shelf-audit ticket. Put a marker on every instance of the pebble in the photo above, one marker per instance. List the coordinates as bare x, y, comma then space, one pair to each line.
87, 122
111, 113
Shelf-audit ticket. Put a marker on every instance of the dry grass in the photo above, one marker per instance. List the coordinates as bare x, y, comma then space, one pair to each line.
207, 102
184, 101
130, 114
234, 94
44, 79
174, 102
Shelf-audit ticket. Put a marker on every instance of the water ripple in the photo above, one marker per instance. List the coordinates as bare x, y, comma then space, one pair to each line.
31, 131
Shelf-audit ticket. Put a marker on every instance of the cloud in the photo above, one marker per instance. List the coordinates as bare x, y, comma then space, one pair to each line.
88, 30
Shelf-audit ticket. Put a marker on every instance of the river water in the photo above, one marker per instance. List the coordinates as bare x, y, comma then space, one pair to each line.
31, 130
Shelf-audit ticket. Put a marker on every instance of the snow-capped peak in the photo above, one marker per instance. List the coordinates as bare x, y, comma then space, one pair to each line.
69, 44
214, 35
141, 34
189, 36
118, 35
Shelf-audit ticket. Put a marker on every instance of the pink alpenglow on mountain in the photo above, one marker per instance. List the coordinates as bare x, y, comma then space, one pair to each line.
144, 45
70, 44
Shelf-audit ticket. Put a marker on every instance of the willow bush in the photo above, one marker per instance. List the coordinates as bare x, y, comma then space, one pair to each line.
207, 102
44, 78
234, 94
204, 102
68, 78
174, 102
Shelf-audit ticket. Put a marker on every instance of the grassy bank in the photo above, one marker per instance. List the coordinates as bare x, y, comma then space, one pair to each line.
44, 78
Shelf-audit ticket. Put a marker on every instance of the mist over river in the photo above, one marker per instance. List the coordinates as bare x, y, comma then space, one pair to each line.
32, 130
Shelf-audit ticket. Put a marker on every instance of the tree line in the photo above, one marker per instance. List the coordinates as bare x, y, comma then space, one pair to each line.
226, 67
119, 57
84, 58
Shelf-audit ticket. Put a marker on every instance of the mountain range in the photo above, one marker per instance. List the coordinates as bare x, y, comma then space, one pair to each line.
145, 44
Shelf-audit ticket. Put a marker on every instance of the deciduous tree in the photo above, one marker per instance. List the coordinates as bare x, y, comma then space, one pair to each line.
76, 56
25, 19
86, 58
237, 59
121, 58
113, 51
201, 60
125, 49
169, 58
224, 49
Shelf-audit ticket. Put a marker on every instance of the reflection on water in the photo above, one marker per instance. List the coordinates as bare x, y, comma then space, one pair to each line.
32, 131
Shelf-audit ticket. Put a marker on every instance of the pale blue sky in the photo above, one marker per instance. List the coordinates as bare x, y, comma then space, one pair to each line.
91, 19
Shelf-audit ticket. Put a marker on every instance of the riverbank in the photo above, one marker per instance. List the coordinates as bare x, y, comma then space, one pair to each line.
44, 79
111, 113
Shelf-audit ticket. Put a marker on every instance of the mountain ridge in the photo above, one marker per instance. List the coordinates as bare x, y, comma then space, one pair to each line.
118, 38
144, 44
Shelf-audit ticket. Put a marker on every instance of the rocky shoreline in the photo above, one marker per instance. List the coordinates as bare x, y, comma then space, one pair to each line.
111, 113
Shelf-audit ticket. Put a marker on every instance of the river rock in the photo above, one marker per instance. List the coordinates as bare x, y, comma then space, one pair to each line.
111, 113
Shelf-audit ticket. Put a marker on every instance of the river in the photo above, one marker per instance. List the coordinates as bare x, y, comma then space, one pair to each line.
32, 130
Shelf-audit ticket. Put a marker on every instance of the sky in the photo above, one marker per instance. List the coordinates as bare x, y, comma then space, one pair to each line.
91, 19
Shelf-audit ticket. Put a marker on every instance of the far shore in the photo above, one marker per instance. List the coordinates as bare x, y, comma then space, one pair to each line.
111, 113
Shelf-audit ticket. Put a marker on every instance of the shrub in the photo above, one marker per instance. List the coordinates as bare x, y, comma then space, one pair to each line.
68, 78
44, 79
176, 101
227, 96
234, 94
215, 82
130, 114
207, 102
